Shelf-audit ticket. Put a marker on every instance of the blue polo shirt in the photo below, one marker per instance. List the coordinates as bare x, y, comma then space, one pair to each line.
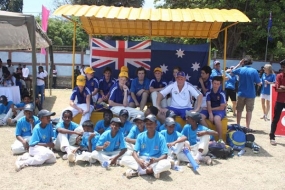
269, 78
23, 127
216, 72
151, 147
4, 109
136, 86
126, 128
116, 94
176, 128
72, 126
247, 77
158, 84
170, 137
116, 143
216, 99
207, 84
81, 96
192, 134
231, 82
106, 86
85, 142
134, 132
41, 135
100, 125
92, 84
21, 104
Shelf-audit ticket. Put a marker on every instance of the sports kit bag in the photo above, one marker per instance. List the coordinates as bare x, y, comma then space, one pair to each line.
236, 137
220, 150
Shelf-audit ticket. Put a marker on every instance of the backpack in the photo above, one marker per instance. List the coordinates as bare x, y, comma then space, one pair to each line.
236, 137
220, 150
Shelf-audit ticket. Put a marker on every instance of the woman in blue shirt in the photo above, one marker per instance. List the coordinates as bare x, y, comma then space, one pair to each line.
267, 78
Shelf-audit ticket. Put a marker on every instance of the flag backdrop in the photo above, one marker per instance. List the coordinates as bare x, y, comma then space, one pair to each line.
148, 54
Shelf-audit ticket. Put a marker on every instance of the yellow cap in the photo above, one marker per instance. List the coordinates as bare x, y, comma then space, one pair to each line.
89, 70
124, 74
124, 68
157, 69
80, 80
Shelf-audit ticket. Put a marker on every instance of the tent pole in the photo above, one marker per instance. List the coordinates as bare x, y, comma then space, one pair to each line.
225, 54
51, 69
210, 53
73, 53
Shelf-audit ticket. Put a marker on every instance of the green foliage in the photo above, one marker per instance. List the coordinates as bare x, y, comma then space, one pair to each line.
125, 3
11, 5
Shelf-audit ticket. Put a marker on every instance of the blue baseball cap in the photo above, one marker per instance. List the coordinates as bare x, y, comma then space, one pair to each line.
181, 74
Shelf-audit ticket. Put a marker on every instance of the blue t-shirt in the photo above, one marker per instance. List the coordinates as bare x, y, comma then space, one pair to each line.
216, 72
85, 143
136, 86
207, 85
41, 135
176, 128
72, 126
231, 82
4, 109
247, 77
20, 105
116, 94
192, 135
134, 132
100, 125
116, 143
216, 99
81, 97
126, 128
106, 86
154, 147
266, 88
157, 125
170, 137
23, 127
155, 84
92, 84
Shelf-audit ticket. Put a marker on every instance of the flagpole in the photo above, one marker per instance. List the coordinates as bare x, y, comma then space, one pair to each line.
266, 45
268, 28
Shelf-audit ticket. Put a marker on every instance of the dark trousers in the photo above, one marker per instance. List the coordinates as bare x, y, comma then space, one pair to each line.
277, 113
54, 82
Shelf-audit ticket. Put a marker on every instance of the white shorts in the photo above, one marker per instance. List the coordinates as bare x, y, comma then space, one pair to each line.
265, 96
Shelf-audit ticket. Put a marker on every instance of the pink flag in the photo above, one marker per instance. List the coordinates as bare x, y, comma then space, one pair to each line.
45, 15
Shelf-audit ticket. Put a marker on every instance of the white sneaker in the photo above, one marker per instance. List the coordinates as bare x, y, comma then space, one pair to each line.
131, 173
19, 165
71, 157
64, 157
157, 176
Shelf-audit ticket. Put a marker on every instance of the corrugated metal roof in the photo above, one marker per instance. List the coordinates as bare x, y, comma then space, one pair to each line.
191, 23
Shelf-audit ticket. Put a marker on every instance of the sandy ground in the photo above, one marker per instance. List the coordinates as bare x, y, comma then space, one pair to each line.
250, 171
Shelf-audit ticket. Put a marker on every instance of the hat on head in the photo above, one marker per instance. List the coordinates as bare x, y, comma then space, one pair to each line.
116, 120
44, 113
29, 107
170, 113
89, 70
216, 62
124, 112
180, 74
139, 117
3, 98
150, 117
169, 121
124, 68
124, 74
80, 80
194, 115
157, 69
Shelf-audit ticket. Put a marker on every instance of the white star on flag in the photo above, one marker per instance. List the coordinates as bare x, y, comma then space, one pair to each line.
195, 66
164, 68
180, 53
187, 77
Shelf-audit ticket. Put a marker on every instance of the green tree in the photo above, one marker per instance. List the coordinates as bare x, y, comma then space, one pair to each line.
11, 5
125, 3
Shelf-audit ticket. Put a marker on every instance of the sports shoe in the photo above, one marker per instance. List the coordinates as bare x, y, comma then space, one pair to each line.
157, 176
221, 141
71, 157
19, 165
64, 157
131, 173
255, 149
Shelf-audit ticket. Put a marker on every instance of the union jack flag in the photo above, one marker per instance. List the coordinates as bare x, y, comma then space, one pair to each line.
120, 53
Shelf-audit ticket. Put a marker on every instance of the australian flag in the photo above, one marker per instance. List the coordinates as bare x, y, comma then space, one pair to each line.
148, 54
269, 27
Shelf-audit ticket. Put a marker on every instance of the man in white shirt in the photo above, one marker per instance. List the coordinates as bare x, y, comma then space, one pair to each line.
181, 94
41, 83
10, 66
25, 72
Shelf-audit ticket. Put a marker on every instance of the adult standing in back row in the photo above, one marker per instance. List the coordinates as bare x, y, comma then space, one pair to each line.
248, 76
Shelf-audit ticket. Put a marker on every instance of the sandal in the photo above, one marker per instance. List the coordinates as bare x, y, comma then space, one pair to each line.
273, 142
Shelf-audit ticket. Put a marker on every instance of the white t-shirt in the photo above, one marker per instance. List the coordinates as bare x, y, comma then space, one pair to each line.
183, 98
11, 69
41, 75
25, 72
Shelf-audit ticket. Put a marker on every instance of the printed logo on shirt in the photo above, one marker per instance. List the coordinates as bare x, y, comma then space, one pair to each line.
44, 137
117, 144
92, 84
143, 146
156, 147
24, 129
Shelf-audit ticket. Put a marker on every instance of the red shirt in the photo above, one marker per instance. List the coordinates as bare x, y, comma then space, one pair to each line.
280, 80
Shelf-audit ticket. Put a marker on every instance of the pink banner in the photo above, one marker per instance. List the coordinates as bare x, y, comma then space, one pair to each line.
45, 15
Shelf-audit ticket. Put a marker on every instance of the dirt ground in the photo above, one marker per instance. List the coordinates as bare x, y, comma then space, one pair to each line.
250, 171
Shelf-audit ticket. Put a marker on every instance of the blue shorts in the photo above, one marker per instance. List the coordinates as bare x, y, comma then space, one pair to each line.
139, 98
180, 112
221, 113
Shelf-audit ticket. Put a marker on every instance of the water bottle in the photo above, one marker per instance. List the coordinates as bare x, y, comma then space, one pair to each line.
241, 152
105, 164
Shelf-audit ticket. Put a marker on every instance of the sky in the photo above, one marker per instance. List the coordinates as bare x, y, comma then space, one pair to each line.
35, 6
